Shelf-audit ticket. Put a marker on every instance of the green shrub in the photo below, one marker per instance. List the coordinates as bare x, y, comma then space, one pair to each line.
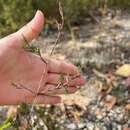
15, 13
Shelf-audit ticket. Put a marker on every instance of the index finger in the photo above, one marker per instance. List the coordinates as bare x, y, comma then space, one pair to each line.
57, 66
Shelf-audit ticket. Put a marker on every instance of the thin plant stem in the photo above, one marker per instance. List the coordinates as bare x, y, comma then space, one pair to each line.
59, 26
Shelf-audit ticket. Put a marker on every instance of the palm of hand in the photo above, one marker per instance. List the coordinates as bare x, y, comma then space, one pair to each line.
25, 68
22, 67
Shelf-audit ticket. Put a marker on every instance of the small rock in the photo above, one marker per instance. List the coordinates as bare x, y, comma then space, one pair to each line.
71, 126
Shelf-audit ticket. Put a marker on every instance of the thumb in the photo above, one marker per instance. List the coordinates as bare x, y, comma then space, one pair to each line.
32, 29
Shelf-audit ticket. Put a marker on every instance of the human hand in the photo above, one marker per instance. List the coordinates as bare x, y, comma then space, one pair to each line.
27, 69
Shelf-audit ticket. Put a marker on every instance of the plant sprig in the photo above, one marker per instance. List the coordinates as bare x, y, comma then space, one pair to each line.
33, 49
59, 27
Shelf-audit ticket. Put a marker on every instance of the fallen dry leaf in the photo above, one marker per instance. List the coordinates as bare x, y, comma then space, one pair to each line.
99, 114
110, 101
108, 85
76, 98
126, 129
127, 107
124, 70
77, 115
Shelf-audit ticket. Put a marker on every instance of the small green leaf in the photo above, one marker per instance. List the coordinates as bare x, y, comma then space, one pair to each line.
66, 89
30, 48
62, 78
13, 83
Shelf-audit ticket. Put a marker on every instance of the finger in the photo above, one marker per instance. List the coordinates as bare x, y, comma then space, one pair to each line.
32, 29
53, 90
56, 79
43, 99
55, 66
